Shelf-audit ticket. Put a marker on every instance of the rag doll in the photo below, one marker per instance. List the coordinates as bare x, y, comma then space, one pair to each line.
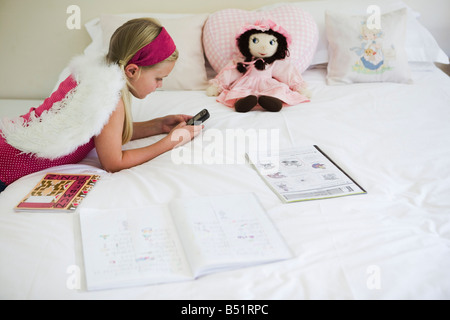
265, 77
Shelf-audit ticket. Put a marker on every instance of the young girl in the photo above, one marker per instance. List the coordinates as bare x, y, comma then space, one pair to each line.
91, 109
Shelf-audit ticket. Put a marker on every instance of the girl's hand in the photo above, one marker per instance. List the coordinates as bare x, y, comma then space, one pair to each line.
183, 133
168, 123
157, 126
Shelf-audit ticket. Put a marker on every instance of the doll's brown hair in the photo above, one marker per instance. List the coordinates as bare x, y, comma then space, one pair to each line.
243, 46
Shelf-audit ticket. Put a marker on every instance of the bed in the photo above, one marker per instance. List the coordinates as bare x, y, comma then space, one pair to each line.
392, 243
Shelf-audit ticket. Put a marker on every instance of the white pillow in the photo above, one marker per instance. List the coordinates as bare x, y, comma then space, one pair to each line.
420, 45
365, 50
189, 72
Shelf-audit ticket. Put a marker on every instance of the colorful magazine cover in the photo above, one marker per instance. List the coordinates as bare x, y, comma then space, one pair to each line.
58, 192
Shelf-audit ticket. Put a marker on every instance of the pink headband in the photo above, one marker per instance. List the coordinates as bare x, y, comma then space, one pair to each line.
156, 51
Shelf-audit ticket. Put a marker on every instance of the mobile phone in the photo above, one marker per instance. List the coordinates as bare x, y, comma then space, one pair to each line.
199, 118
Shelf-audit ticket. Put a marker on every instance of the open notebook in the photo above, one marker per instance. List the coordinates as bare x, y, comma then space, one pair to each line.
182, 241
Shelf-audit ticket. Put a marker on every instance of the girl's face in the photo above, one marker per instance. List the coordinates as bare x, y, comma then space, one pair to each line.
146, 80
262, 45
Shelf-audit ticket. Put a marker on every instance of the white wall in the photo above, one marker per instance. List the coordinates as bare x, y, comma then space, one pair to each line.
35, 44
435, 16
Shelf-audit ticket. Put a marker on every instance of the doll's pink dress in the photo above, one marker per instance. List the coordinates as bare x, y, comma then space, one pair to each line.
279, 80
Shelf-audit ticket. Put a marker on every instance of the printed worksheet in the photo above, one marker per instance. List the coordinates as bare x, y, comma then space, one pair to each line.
303, 173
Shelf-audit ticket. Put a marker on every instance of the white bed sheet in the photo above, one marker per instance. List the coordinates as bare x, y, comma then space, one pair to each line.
392, 243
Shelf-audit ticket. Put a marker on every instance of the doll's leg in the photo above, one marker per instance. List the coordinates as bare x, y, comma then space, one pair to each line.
246, 104
270, 103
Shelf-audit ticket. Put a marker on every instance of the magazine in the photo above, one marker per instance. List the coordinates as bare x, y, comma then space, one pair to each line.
58, 193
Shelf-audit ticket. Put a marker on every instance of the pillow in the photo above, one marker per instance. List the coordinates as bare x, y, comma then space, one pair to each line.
420, 45
189, 72
362, 50
222, 26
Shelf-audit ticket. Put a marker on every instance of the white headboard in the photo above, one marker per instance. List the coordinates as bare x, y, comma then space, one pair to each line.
38, 38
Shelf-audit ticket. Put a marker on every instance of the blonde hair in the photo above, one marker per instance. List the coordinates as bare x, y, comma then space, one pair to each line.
125, 42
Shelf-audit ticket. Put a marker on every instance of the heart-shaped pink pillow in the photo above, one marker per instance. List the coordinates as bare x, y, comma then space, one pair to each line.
220, 31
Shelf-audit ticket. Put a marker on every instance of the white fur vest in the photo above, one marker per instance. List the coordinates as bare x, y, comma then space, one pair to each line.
74, 120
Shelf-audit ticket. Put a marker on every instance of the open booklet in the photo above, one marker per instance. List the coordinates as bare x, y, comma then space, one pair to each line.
179, 242
303, 173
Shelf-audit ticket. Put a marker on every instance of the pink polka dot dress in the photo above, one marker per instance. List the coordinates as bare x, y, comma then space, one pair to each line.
14, 164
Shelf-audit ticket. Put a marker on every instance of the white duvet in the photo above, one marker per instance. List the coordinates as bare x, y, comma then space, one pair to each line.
392, 243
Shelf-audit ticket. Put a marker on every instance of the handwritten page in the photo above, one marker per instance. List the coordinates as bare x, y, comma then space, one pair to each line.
225, 231
181, 241
131, 247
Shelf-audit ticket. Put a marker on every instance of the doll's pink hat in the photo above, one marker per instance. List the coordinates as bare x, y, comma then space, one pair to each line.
264, 25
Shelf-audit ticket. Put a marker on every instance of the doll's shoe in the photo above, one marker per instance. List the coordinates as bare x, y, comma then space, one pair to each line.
246, 104
270, 103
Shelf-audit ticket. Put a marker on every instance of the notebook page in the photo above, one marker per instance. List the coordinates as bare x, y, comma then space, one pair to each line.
220, 232
124, 247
